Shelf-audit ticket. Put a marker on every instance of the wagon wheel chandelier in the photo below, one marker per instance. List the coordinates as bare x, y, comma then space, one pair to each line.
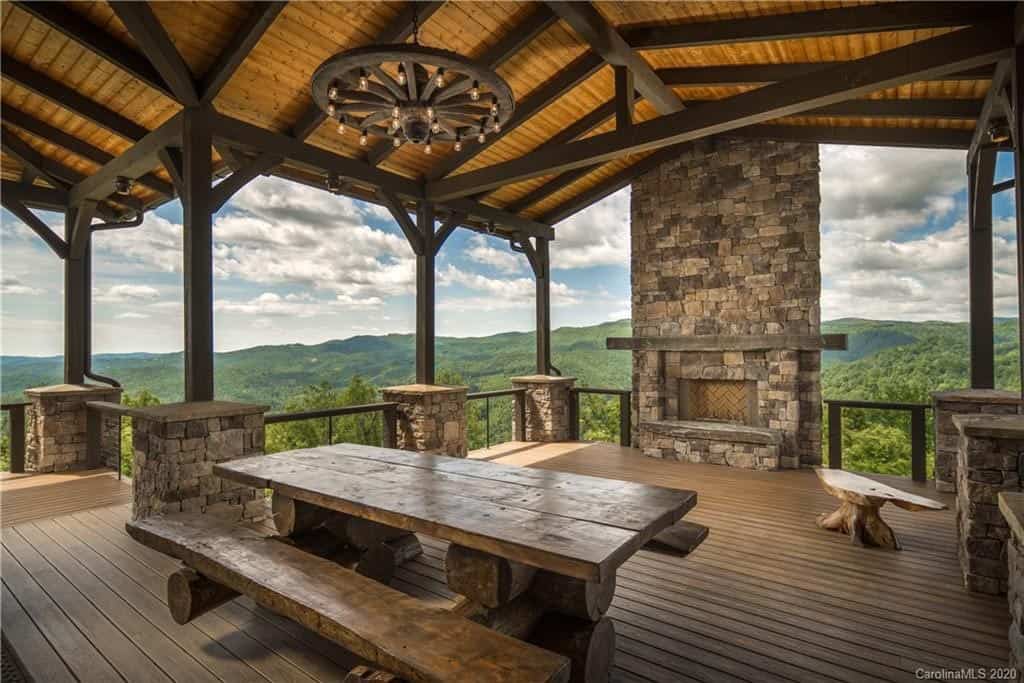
412, 93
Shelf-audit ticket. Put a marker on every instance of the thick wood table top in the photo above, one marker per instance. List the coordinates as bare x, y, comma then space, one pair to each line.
570, 524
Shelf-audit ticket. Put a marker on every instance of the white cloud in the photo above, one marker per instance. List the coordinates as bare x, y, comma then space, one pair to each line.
132, 315
292, 305
596, 236
126, 293
501, 294
480, 250
12, 285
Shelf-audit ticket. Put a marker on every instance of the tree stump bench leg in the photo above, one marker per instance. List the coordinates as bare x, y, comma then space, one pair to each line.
863, 523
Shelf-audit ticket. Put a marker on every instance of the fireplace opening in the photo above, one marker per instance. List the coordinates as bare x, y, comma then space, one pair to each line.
719, 400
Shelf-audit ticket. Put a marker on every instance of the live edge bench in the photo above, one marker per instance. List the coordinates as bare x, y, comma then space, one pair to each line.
534, 554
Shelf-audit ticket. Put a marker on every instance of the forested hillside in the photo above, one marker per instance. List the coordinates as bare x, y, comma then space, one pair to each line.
885, 360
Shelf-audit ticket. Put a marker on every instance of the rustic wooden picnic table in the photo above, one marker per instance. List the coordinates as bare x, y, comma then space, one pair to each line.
533, 552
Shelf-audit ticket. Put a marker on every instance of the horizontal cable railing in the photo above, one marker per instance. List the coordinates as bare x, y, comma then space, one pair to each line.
624, 411
917, 412
388, 411
16, 440
519, 406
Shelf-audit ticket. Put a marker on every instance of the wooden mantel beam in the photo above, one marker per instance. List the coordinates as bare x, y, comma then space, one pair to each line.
948, 53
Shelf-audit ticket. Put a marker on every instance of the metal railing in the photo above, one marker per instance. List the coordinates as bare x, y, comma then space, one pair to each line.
519, 406
388, 411
16, 422
624, 411
917, 431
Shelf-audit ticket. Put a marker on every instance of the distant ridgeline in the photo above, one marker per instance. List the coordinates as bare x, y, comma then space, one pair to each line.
886, 360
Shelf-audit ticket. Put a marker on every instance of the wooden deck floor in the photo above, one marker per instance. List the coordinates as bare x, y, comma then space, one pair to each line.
25, 497
768, 597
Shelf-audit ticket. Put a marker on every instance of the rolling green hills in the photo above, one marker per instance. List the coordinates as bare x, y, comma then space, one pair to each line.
886, 360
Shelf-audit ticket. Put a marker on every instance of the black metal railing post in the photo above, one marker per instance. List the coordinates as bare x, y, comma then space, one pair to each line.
625, 424
389, 427
520, 421
16, 442
917, 444
574, 414
835, 436
330, 430
487, 422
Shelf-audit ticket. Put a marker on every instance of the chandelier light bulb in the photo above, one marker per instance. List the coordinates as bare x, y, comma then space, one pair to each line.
430, 112
331, 109
435, 126
458, 144
363, 139
439, 80
396, 141
341, 126
401, 75
497, 126
426, 149
494, 106
395, 112
481, 137
474, 92
364, 82
332, 92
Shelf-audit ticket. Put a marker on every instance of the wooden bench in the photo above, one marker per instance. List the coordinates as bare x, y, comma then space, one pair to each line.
861, 499
378, 623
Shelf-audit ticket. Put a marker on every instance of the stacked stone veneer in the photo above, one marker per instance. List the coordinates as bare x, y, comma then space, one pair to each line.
176, 446
431, 418
713, 443
947, 437
56, 439
988, 462
1012, 507
547, 407
725, 242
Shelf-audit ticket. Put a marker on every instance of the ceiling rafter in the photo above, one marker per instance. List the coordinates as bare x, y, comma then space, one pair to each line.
158, 47
516, 39
238, 48
948, 53
75, 26
70, 99
992, 104
603, 39
22, 212
902, 16
313, 116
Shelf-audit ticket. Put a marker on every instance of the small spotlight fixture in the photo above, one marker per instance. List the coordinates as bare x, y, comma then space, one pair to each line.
999, 132
333, 183
123, 185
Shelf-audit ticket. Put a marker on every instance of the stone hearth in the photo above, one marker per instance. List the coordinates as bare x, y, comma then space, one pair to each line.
726, 300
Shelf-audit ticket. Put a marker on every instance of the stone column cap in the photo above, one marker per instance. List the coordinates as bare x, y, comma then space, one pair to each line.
991, 426
1011, 504
542, 379
71, 390
423, 389
195, 410
979, 396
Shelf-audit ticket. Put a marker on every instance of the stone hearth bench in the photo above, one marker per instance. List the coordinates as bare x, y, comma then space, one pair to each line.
720, 443
376, 622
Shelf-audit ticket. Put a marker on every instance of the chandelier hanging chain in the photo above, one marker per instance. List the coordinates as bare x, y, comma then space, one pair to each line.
412, 93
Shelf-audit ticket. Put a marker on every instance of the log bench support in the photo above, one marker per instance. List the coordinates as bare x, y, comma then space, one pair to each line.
558, 613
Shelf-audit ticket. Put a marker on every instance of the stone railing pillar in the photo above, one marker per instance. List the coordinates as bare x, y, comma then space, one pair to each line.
988, 461
947, 436
57, 427
176, 446
547, 406
1012, 507
431, 418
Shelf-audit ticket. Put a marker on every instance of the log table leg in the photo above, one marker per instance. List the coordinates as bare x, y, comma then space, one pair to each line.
559, 613
863, 523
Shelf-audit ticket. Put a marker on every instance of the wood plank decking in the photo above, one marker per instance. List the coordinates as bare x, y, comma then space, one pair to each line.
768, 597
25, 497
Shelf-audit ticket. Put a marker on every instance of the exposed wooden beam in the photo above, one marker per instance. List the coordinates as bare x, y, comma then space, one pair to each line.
501, 217
758, 74
979, 249
903, 16
445, 230
515, 39
70, 99
1003, 186
50, 171
79, 29
22, 212
603, 39
171, 159
138, 160
149, 33
401, 216
581, 69
49, 199
227, 188
625, 97
922, 138
75, 145
78, 242
991, 106
243, 40
947, 53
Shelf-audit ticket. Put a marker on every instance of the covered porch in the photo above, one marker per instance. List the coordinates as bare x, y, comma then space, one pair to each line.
767, 597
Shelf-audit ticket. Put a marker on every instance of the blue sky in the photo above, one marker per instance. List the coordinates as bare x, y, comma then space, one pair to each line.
294, 264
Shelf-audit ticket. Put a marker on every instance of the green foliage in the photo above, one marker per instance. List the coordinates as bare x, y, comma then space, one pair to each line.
139, 399
362, 428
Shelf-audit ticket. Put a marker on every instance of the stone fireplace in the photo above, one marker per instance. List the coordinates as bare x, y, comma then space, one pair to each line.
726, 305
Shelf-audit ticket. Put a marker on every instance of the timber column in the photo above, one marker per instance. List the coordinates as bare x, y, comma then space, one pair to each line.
431, 418
548, 414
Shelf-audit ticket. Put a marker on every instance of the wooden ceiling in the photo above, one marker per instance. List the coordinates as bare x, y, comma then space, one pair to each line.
80, 88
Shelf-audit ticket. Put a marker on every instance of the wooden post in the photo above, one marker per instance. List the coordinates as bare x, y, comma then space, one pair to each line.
197, 141
979, 239
625, 424
835, 436
574, 414
543, 278
917, 443
16, 411
1017, 124
520, 408
76, 291
625, 97
487, 579
425, 295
